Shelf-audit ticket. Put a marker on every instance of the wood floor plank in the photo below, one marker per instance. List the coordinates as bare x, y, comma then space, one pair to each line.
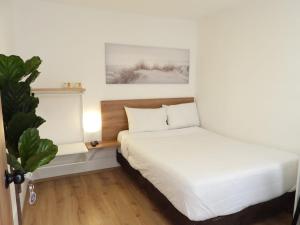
109, 197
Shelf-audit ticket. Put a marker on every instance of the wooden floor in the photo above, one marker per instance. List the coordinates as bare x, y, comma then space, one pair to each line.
109, 197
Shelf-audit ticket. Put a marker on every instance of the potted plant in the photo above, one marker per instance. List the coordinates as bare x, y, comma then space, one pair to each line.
26, 151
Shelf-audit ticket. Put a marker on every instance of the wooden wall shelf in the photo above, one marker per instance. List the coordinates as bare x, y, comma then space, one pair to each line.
58, 90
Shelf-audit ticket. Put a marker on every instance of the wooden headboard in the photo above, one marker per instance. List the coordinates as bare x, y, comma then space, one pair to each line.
114, 117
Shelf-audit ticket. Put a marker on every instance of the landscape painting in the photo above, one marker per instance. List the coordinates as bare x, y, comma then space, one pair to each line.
129, 64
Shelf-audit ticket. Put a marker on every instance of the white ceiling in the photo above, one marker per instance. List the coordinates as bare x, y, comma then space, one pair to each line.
186, 9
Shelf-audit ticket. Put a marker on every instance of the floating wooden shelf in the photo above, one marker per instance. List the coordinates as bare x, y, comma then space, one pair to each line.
103, 144
58, 90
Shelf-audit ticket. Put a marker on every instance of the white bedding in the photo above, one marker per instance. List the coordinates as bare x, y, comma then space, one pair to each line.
205, 175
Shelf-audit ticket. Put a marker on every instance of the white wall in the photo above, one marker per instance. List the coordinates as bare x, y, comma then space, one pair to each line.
5, 26
71, 40
249, 70
63, 115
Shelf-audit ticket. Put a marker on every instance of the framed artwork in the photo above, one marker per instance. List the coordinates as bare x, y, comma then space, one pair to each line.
129, 64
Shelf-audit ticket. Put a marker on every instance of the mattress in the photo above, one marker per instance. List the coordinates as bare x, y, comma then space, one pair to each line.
205, 175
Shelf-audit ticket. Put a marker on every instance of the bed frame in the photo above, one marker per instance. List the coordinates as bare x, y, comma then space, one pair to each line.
114, 120
247, 216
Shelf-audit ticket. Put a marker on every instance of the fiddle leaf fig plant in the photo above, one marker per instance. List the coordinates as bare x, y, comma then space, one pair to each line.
26, 150
34, 151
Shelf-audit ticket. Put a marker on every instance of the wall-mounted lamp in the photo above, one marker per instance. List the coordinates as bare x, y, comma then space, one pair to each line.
91, 125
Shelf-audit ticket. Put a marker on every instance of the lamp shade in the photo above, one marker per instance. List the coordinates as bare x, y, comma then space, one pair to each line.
91, 121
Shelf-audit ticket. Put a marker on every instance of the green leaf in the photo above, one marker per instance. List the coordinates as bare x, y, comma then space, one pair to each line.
32, 77
32, 64
38, 154
28, 142
15, 128
16, 97
13, 162
12, 68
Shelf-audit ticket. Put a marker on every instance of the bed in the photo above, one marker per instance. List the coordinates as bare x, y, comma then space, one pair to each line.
199, 177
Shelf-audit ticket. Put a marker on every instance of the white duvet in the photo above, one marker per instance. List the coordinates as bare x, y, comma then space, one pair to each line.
205, 175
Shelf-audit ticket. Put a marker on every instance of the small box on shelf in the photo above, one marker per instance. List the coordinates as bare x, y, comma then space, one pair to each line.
103, 145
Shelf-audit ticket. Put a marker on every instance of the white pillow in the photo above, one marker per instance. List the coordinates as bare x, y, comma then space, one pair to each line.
182, 115
140, 120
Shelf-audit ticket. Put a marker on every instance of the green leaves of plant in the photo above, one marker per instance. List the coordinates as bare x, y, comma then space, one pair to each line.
32, 64
16, 97
20, 121
32, 77
31, 67
16, 126
13, 68
35, 152
28, 144
18, 106
13, 162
